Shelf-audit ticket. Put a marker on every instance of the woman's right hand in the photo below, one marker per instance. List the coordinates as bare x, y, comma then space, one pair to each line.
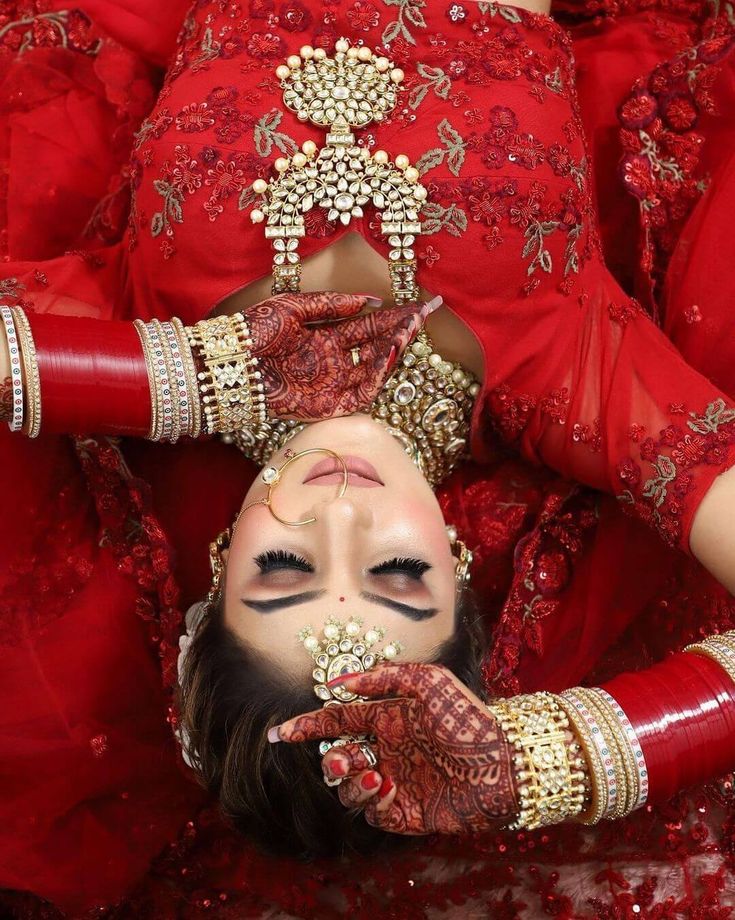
305, 345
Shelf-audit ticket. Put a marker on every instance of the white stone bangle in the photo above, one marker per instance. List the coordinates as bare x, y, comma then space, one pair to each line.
16, 371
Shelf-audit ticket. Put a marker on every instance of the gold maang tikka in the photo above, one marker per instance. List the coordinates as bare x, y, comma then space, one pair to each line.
349, 90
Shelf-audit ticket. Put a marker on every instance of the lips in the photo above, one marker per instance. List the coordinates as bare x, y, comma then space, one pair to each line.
360, 473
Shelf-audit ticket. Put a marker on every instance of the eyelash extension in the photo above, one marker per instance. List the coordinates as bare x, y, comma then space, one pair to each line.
414, 568
274, 559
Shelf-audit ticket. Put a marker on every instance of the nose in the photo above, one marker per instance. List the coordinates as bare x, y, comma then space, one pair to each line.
341, 514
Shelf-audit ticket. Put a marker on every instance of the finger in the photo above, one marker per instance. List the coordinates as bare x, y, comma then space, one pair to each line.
358, 790
331, 722
324, 306
384, 812
385, 796
409, 679
345, 760
378, 324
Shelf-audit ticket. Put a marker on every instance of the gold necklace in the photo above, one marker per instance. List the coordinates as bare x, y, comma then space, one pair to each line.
426, 404
349, 90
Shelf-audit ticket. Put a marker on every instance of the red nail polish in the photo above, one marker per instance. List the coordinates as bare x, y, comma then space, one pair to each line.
370, 781
385, 787
392, 358
337, 768
338, 681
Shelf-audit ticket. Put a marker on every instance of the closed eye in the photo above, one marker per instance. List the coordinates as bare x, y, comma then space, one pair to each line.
274, 560
402, 565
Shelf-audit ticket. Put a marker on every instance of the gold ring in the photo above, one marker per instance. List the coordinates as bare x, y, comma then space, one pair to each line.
272, 476
355, 352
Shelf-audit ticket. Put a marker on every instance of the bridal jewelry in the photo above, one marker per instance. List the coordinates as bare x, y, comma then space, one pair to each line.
426, 404
463, 556
344, 648
349, 90
272, 476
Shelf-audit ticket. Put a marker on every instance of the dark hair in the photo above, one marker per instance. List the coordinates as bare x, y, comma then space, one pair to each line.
274, 793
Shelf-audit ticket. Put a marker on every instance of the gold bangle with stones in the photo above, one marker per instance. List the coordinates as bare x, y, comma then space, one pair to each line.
629, 775
594, 703
154, 431
191, 377
163, 382
594, 746
177, 361
637, 756
172, 410
549, 789
32, 426
15, 422
229, 379
724, 643
722, 654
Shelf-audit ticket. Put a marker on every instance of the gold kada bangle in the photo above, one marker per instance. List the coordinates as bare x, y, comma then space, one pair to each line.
32, 425
550, 790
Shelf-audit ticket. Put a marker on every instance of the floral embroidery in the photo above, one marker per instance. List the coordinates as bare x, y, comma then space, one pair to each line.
37, 27
363, 16
453, 150
665, 491
433, 78
409, 14
266, 135
194, 117
662, 148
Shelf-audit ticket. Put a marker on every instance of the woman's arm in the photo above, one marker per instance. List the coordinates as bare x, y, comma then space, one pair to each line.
164, 380
639, 738
712, 538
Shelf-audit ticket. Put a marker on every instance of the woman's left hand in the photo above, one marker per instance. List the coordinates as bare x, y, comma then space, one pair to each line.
319, 358
444, 765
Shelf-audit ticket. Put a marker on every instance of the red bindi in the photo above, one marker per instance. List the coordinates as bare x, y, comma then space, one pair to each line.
342, 599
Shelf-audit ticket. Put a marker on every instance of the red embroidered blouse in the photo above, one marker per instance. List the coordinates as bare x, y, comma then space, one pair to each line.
576, 374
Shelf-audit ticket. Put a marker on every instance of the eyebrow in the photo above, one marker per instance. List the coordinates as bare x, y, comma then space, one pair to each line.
413, 613
278, 603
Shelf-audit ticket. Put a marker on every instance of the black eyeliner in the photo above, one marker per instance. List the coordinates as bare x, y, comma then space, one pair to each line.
413, 613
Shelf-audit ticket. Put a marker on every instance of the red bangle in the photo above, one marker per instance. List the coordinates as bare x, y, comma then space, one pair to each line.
683, 712
94, 378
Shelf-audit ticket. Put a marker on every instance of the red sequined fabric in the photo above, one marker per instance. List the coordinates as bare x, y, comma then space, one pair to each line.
100, 554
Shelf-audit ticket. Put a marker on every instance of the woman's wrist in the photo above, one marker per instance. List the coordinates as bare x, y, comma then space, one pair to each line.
550, 775
159, 380
640, 737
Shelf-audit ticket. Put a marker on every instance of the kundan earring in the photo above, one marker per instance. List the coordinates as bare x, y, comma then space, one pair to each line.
462, 555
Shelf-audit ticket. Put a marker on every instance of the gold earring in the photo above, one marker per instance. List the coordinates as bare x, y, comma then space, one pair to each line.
462, 555
271, 476
216, 563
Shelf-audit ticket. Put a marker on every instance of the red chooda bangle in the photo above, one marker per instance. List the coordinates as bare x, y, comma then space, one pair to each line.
93, 375
683, 712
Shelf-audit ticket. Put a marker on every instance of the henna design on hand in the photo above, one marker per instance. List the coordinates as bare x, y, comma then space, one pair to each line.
442, 748
6, 400
303, 344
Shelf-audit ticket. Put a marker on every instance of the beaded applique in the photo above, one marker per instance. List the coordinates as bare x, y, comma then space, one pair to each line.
350, 90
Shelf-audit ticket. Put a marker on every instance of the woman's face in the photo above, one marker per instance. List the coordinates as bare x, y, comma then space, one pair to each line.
380, 552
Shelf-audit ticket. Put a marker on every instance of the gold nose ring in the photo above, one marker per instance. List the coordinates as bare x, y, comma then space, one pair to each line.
272, 476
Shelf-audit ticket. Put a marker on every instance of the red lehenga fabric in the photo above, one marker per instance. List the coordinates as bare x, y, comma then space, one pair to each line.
103, 541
